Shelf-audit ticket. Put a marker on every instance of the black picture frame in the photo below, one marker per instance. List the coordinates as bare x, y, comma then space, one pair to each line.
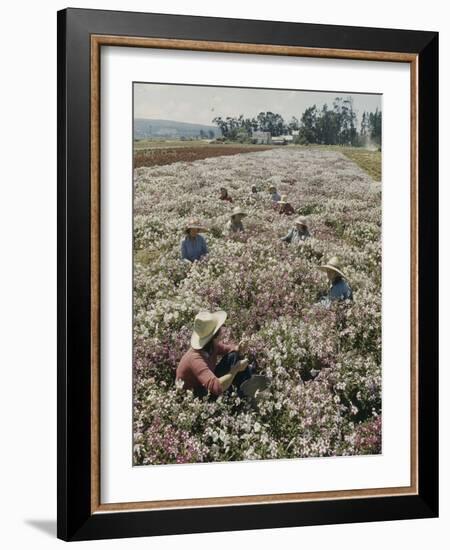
76, 521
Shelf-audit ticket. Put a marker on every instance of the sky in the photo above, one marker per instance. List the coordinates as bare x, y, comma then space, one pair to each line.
200, 104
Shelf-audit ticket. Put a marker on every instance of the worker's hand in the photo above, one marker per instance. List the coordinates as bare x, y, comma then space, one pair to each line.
241, 365
242, 347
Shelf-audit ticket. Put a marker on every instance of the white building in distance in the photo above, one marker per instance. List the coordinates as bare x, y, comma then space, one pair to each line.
261, 137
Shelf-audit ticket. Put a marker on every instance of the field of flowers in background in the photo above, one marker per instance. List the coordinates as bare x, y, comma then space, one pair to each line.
269, 290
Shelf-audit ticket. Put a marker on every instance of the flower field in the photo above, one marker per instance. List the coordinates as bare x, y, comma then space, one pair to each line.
269, 290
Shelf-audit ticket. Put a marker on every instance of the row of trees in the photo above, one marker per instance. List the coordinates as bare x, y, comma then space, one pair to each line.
331, 126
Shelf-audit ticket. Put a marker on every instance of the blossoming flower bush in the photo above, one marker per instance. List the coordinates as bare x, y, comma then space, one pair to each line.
270, 291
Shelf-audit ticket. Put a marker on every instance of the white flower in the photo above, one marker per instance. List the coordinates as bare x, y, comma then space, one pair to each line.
179, 383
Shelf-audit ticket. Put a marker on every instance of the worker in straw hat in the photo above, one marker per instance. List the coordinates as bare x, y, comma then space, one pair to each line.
285, 207
339, 286
298, 233
199, 370
193, 245
274, 195
234, 225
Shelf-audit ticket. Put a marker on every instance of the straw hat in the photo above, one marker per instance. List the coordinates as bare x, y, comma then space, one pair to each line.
193, 223
333, 265
301, 221
272, 187
206, 325
237, 212
283, 200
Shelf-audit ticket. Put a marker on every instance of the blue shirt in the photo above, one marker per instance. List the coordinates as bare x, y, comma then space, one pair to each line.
276, 197
193, 248
340, 290
295, 235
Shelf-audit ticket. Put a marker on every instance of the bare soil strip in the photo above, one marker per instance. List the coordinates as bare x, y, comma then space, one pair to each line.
161, 157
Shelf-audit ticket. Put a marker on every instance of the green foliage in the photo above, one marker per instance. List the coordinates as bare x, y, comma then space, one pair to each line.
335, 126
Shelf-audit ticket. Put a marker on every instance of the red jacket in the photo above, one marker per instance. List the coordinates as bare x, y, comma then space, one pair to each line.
227, 198
286, 209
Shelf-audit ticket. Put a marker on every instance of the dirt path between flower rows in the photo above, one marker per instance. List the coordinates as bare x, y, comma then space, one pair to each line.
160, 157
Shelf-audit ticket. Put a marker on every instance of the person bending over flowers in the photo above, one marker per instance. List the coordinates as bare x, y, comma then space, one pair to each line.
235, 225
224, 196
298, 233
199, 369
193, 246
274, 195
285, 207
339, 286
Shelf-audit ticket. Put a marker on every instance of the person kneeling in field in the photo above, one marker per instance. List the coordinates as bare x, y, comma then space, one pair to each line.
224, 196
199, 370
298, 233
234, 225
339, 286
274, 195
193, 245
285, 207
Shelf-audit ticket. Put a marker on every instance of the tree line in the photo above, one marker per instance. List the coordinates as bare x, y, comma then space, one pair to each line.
335, 125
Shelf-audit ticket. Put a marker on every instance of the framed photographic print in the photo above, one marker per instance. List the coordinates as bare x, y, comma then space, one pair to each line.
247, 270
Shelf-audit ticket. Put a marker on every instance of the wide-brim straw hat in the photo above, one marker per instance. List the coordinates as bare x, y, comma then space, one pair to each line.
283, 200
193, 223
206, 325
301, 221
237, 212
334, 265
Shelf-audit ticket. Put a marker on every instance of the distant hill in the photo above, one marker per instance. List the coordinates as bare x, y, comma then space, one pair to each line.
154, 128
